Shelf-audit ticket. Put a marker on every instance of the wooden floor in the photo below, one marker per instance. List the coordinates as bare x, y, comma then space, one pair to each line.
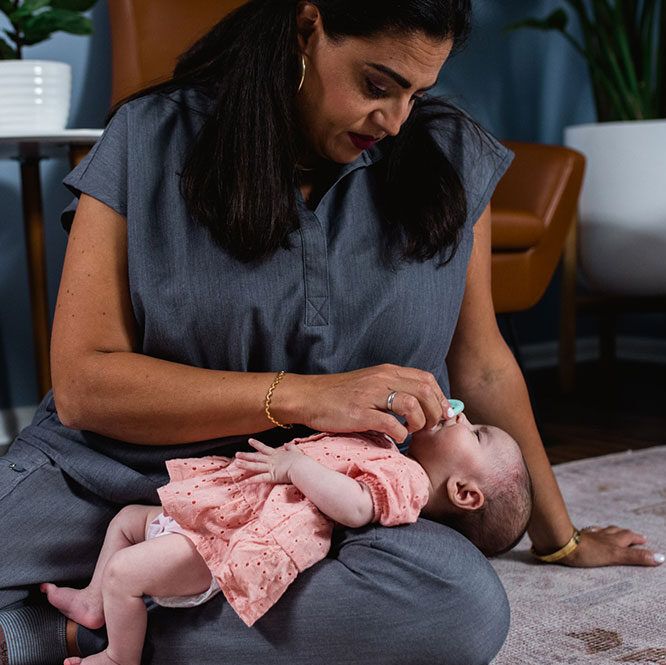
608, 412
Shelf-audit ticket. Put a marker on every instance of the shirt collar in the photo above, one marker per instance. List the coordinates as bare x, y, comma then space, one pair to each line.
366, 158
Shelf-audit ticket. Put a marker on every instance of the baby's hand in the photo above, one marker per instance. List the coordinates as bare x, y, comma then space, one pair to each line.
269, 464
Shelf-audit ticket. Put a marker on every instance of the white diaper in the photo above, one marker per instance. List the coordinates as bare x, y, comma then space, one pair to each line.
163, 525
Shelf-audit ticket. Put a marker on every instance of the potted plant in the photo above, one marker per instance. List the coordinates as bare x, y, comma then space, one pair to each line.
622, 224
36, 93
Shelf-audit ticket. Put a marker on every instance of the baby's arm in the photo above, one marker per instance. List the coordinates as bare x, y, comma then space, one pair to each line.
339, 497
336, 495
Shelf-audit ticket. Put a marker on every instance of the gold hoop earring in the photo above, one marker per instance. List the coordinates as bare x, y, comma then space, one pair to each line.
300, 85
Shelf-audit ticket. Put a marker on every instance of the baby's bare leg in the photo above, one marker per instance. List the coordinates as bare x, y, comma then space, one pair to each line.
165, 566
84, 606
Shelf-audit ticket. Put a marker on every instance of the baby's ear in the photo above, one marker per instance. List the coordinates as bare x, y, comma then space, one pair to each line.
465, 494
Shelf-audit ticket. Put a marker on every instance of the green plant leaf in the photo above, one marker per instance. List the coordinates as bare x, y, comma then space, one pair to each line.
623, 41
629, 60
6, 51
34, 5
629, 10
614, 57
6, 6
646, 37
19, 14
41, 26
611, 63
589, 32
631, 13
590, 47
73, 5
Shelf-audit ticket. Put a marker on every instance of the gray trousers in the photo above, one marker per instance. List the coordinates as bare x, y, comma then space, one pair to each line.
413, 594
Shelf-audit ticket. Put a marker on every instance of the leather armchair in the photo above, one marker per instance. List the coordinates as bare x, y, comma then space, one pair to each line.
533, 225
147, 36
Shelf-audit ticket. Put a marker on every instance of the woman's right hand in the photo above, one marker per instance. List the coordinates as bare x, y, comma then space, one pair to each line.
356, 401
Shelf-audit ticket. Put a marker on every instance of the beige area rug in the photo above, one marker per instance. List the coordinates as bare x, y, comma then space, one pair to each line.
594, 615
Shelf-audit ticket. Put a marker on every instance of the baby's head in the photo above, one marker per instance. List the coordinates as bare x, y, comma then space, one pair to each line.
480, 485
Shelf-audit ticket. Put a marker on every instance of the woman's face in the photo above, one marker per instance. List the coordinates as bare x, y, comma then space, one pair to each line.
358, 91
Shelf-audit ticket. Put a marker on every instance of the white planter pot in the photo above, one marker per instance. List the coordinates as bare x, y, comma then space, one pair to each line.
34, 96
622, 213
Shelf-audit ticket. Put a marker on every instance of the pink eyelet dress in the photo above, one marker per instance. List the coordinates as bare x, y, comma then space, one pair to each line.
257, 537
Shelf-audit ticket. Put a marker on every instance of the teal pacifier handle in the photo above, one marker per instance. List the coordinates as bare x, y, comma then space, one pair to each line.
457, 406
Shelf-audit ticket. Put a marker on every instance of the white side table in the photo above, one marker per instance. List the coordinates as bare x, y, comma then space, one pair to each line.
28, 150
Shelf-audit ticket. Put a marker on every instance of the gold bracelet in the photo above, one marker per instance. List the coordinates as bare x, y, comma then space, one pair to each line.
267, 402
562, 552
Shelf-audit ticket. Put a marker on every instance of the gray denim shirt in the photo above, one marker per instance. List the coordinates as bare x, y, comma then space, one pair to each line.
328, 304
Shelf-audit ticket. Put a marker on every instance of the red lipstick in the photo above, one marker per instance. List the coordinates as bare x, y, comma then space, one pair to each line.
361, 141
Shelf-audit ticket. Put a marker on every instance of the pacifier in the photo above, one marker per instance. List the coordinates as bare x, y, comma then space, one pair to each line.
457, 406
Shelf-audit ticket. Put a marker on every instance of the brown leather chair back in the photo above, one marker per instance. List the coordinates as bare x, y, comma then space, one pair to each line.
533, 210
147, 36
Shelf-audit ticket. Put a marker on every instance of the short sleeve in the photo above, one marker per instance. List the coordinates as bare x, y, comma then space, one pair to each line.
399, 488
477, 156
102, 173
487, 160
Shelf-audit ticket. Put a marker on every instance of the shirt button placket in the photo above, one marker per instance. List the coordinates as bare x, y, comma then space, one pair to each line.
315, 268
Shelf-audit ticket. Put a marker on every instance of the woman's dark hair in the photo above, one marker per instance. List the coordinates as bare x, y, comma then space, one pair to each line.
239, 176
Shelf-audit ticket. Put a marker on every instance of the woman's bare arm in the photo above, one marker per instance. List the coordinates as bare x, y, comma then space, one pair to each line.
100, 382
485, 375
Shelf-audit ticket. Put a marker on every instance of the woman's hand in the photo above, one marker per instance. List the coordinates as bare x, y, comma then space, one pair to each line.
269, 464
610, 546
356, 401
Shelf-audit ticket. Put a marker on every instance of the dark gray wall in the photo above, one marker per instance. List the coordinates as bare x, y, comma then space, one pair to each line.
523, 85
90, 58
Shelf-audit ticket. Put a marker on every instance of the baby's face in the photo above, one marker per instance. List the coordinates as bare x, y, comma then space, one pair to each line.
461, 450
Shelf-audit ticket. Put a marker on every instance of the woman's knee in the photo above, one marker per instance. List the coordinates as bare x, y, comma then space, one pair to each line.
483, 620
443, 585
39, 503
402, 596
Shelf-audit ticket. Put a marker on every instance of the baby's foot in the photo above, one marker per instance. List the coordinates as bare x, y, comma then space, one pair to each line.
80, 605
101, 658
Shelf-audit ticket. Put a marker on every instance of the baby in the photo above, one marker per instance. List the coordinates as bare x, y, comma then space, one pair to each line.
247, 526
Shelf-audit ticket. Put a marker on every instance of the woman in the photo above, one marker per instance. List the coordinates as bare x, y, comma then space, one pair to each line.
290, 202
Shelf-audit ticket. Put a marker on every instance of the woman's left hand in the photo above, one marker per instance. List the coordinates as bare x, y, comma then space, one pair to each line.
610, 546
